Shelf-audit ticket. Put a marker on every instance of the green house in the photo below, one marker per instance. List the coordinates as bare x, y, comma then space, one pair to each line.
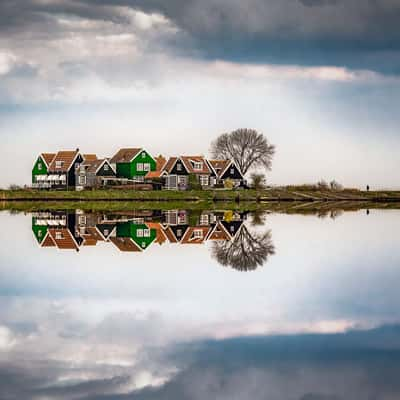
39, 231
133, 164
40, 168
141, 234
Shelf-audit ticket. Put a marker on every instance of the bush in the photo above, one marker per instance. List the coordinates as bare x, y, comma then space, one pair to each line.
229, 184
322, 185
258, 181
14, 187
335, 186
194, 183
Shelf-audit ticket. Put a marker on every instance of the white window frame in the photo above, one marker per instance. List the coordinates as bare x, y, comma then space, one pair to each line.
39, 166
82, 219
232, 171
143, 154
204, 220
146, 167
59, 236
139, 233
197, 165
198, 234
146, 233
203, 181
59, 163
82, 179
139, 167
106, 167
179, 167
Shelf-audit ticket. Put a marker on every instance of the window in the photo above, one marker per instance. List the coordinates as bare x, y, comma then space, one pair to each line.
204, 219
198, 234
197, 165
232, 171
105, 167
232, 228
146, 167
179, 167
106, 232
143, 154
82, 180
59, 164
179, 232
203, 180
40, 234
82, 219
77, 165
39, 166
146, 232
139, 167
143, 245
59, 235
139, 233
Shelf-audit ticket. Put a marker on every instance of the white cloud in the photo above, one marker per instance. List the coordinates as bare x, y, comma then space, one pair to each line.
7, 61
7, 340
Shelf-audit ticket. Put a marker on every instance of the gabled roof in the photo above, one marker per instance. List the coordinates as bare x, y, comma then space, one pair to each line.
48, 241
219, 233
89, 157
67, 157
66, 241
95, 165
125, 244
189, 238
125, 155
47, 158
220, 166
188, 163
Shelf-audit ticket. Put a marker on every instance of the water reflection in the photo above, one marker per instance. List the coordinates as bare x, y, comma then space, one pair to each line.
132, 305
233, 242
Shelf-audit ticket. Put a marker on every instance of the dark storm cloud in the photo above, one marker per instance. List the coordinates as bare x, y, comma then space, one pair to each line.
361, 34
352, 366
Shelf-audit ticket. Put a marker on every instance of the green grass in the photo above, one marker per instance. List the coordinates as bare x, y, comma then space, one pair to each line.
305, 193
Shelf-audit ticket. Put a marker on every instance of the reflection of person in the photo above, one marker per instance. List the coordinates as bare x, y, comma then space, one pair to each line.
367, 188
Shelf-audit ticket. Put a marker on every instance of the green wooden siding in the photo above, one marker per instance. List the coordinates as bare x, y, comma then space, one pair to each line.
39, 231
130, 170
39, 168
131, 230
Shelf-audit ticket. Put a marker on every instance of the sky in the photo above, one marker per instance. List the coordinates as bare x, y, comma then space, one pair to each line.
319, 78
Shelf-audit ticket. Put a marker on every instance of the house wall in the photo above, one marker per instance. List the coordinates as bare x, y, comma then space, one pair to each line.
235, 175
129, 170
36, 171
71, 181
129, 229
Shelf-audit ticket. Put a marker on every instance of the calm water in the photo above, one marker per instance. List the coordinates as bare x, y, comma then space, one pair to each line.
190, 305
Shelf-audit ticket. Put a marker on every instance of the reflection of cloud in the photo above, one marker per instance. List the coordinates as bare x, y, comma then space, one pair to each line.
352, 366
6, 338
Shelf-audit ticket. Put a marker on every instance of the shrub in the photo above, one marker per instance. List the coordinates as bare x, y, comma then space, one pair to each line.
14, 187
258, 181
322, 185
229, 184
194, 183
335, 186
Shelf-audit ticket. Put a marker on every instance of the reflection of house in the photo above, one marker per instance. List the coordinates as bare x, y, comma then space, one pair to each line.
135, 232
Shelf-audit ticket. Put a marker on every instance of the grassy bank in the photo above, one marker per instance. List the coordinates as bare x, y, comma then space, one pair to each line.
289, 194
320, 208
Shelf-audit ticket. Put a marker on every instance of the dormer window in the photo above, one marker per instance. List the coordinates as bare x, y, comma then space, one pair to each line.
197, 165
59, 164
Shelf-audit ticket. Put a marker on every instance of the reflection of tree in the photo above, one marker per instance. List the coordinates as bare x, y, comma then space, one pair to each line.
246, 251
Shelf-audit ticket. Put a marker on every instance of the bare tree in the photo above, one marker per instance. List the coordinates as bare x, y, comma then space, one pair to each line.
246, 251
247, 147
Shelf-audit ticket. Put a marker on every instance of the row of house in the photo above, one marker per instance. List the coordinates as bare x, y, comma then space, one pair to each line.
72, 231
76, 170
